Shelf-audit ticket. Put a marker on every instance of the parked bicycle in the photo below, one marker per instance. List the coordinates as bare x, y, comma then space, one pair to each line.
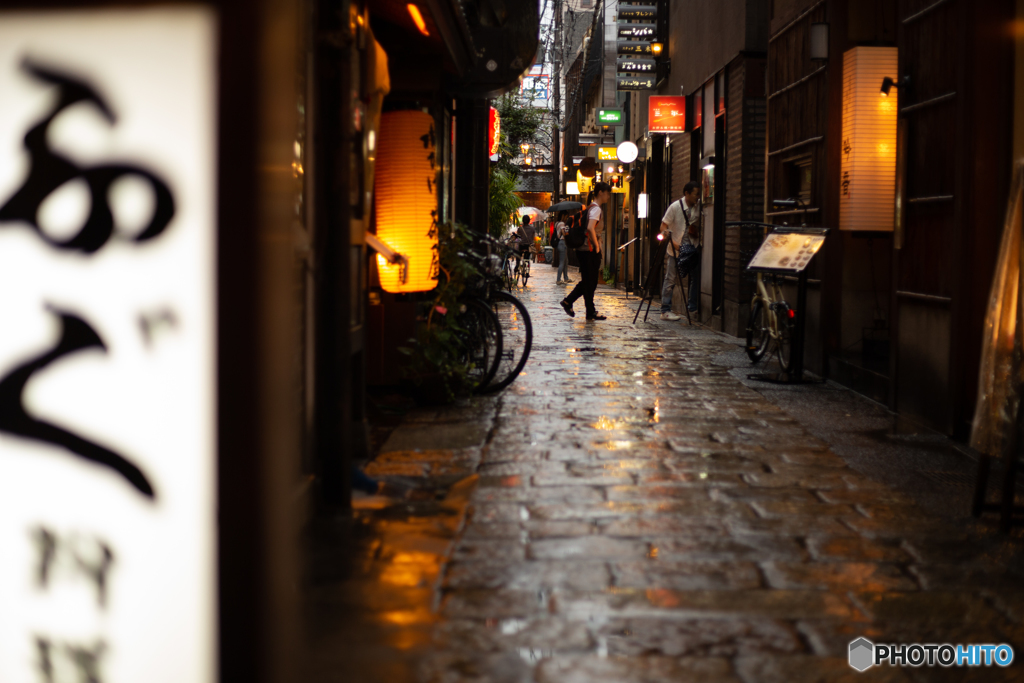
770, 326
513, 320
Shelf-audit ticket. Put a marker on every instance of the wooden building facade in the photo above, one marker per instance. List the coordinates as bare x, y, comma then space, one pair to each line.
897, 313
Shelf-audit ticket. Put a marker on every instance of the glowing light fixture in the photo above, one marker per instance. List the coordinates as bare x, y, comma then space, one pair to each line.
627, 152
494, 132
867, 191
572, 187
657, 49
404, 200
641, 206
417, 18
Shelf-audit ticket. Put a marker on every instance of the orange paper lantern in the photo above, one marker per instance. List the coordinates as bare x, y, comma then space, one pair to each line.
406, 200
867, 191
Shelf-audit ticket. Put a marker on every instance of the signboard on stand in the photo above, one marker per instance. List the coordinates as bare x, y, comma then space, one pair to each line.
787, 252
108, 460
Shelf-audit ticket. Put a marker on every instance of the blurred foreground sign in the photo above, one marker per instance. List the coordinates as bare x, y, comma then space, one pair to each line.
107, 385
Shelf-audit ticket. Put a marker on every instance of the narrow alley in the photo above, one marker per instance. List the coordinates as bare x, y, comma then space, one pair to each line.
629, 511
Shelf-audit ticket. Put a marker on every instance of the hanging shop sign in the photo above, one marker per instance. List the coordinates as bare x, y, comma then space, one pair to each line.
637, 31
606, 154
610, 117
634, 47
494, 133
638, 82
666, 114
627, 152
631, 66
589, 139
867, 190
637, 13
108, 376
406, 197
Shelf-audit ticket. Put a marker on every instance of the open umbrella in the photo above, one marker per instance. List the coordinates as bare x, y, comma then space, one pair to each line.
565, 206
533, 212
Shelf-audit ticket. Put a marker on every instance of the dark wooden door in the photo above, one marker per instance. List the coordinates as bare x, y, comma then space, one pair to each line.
952, 173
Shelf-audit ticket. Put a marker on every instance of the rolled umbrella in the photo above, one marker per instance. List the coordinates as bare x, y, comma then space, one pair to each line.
565, 206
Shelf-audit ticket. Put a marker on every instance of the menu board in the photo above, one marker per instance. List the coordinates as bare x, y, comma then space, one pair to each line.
790, 251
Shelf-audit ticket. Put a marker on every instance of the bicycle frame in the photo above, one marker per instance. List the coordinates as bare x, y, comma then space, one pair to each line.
768, 300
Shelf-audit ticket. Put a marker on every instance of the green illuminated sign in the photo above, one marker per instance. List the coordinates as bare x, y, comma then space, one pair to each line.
609, 117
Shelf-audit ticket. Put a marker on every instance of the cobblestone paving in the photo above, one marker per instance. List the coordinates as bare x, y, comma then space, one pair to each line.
640, 515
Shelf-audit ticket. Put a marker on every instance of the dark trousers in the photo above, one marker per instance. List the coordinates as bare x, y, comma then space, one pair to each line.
590, 262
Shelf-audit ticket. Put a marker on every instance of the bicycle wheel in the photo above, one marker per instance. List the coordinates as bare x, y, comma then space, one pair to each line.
785, 340
758, 335
480, 339
506, 275
516, 339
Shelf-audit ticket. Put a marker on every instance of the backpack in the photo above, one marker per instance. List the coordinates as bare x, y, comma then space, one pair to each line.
554, 237
577, 235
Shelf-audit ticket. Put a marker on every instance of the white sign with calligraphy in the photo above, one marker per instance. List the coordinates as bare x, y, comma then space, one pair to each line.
107, 357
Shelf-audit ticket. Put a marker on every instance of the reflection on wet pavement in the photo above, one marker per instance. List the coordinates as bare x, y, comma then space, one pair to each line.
630, 510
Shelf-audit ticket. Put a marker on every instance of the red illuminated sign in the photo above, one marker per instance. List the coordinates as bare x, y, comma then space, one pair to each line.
494, 132
667, 114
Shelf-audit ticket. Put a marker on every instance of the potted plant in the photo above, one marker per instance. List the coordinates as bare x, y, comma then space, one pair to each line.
438, 371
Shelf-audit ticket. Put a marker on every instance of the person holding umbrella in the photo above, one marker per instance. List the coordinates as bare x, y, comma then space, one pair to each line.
562, 276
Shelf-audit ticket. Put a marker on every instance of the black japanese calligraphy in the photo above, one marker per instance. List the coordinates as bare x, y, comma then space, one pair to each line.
151, 323
76, 335
81, 662
76, 555
49, 171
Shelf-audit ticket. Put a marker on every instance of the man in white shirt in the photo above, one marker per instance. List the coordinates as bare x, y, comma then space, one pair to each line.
680, 222
589, 255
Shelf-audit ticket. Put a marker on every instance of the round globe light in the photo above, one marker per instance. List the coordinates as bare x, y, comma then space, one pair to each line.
626, 152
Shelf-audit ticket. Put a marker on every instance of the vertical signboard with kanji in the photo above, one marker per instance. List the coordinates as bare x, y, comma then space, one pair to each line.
107, 356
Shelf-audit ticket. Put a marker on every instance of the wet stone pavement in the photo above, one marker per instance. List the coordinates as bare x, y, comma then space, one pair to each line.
629, 511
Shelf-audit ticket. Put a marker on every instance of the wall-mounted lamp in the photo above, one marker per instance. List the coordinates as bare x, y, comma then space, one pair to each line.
707, 162
525, 147
528, 161
417, 18
888, 84
657, 48
564, 169
620, 168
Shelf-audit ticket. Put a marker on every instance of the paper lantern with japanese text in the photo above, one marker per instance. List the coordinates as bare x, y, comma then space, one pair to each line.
406, 200
867, 191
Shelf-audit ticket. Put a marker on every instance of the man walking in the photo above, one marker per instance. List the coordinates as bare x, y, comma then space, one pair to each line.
589, 255
680, 222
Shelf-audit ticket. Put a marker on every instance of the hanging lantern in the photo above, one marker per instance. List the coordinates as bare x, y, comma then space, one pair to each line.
494, 132
867, 191
406, 200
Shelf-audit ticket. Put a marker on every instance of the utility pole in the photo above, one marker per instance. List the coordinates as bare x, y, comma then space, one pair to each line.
556, 148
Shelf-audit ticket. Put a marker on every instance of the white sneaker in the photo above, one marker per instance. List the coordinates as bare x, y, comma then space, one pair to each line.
671, 316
